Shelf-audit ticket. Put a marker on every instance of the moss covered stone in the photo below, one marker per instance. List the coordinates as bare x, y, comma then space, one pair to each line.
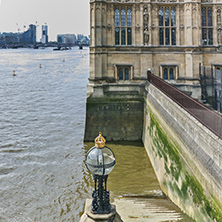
189, 190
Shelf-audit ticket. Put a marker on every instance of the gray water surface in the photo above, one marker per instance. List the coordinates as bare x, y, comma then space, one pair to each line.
42, 120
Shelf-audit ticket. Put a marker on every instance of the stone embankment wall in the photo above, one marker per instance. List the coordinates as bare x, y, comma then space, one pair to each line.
186, 156
116, 111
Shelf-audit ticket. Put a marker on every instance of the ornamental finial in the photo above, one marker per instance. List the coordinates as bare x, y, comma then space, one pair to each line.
100, 141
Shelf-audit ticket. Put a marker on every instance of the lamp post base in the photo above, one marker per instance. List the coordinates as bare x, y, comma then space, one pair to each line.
88, 215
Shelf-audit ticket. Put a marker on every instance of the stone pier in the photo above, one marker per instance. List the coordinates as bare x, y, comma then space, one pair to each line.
88, 216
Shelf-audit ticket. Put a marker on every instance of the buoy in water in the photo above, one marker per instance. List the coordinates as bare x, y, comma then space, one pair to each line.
14, 73
40, 66
63, 60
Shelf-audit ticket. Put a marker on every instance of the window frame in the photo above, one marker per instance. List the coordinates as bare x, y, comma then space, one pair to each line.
167, 25
169, 68
123, 72
207, 25
123, 23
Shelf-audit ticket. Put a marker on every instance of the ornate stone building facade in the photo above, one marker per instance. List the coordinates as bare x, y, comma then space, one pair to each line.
168, 37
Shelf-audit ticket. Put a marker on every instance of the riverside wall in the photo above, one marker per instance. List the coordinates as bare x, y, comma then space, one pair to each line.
116, 110
185, 155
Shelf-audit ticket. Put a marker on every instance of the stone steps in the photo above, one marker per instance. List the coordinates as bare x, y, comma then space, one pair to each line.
149, 210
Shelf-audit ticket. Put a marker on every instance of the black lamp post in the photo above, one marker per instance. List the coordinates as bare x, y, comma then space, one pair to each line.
100, 161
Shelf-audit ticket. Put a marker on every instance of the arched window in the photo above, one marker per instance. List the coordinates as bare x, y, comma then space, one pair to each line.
117, 36
171, 74
123, 24
173, 17
117, 17
203, 15
120, 74
209, 17
173, 35
129, 17
165, 74
160, 17
123, 36
167, 36
207, 25
167, 17
129, 36
123, 17
167, 26
126, 74
161, 36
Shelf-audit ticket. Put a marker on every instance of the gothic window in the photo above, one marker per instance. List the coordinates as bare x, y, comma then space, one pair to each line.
207, 26
117, 17
123, 72
169, 72
126, 73
120, 73
167, 26
123, 36
165, 73
123, 26
129, 37
117, 36
123, 17
129, 17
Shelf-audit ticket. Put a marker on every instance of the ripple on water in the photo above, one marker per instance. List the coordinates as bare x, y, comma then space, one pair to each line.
5, 171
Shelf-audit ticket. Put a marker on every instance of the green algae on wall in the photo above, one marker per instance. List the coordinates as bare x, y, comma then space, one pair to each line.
175, 176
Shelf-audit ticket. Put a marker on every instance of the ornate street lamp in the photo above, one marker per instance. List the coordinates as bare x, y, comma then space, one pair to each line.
100, 161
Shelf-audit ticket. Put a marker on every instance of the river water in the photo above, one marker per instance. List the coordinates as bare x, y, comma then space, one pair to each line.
42, 120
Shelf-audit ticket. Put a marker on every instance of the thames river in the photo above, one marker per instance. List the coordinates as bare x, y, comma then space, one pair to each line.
42, 119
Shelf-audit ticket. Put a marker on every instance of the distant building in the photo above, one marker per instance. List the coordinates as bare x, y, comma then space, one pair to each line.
84, 41
30, 35
79, 36
66, 38
7, 38
44, 38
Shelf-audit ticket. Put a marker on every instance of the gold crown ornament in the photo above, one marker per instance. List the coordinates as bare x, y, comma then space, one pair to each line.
100, 141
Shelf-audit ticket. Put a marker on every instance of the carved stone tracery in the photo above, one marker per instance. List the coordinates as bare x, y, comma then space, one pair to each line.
194, 7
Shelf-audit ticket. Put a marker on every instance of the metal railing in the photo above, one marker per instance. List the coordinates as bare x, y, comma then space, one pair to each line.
211, 119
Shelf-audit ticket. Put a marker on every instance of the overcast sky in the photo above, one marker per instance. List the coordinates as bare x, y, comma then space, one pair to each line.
61, 16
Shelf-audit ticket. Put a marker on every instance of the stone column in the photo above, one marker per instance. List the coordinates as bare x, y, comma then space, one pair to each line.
92, 24
189, 64
98, 23
188, 24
